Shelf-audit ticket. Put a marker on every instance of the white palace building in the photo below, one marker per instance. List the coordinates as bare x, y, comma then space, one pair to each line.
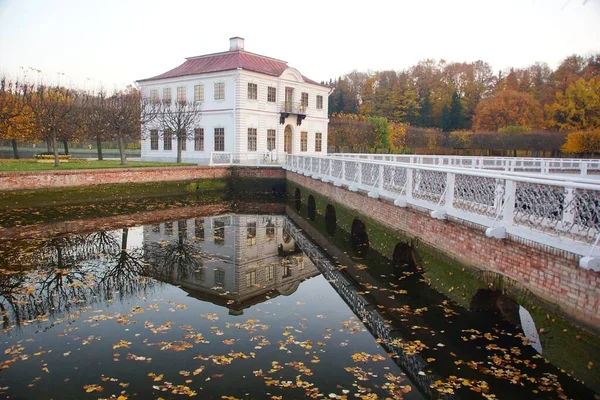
251, 104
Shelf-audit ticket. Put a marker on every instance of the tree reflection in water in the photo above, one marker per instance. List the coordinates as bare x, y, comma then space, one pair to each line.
174, 260
63, 275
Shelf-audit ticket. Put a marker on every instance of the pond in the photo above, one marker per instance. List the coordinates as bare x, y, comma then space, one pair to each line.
246, 302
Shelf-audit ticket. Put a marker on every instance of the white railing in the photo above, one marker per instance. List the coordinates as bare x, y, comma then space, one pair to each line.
516, 164
561, 214
246, 159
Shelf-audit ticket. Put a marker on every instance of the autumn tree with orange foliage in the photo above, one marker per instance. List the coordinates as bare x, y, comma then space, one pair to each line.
583, 142
16, 119
507, 108
578, 108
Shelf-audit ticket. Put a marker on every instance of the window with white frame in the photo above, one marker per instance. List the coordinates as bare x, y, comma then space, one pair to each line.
303, 141
154, 95
270, 272
199, 92
199, 229
168, 140
305, 100
252, 137
319, 102
154, 139
318, 141
219, 139
271, 139
250, 278
252, 91
271, 94
251, 234
220, 91
219, 233
199, 139
219, 278
167, 95
181, 94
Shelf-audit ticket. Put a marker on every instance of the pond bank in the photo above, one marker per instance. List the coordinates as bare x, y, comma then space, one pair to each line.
34, 180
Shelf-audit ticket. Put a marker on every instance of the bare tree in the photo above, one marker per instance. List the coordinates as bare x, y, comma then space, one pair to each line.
177, 119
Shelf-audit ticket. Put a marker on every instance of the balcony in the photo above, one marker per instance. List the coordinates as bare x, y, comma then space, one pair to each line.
289, 108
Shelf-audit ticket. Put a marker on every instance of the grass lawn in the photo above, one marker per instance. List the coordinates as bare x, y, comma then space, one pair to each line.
33, 165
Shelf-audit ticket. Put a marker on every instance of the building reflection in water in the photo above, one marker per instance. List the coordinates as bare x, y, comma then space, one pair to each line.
234, 261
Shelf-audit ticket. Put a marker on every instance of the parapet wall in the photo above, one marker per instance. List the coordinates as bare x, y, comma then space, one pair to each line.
12, 181
552, 275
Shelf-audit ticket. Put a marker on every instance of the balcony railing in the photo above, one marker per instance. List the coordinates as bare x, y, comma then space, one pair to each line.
553, 212
293, 108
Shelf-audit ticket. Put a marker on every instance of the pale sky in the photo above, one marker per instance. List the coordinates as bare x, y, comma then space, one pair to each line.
115, 42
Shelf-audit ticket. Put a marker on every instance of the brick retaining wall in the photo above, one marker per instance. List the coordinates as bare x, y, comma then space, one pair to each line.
32, 180
552, 275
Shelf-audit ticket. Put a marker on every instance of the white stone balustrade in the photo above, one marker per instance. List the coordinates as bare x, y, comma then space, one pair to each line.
514, 164
554, 212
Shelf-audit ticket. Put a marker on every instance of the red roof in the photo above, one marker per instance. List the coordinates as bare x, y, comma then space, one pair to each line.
228, 61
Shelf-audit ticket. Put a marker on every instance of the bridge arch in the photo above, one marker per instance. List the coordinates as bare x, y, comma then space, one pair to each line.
312, 207
359, 238
330, 220
298, 199
403, 255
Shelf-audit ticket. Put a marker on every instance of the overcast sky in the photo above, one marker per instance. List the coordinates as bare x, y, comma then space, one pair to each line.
115, 42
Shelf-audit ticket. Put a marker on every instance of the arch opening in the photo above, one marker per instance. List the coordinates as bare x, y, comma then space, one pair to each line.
403, 255
330, 220
298, 199
359, 238
312, 208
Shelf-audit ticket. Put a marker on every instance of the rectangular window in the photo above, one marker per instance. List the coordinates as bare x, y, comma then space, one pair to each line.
270, 272
169, 228
156, 228
319, 102
270, 231
167, 95
251, 139
199, 229
199, 92
154, 139
270, 139
181, 94
251, 234
199, 139
219, 232
252, 91
271, 94
182, 228
154, 95
318, 141
250, 278
219, 278
219, 90
305, 100
219, 139
168, 140
303, 141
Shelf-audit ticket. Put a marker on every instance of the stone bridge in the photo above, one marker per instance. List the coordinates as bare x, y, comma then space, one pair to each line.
539, 230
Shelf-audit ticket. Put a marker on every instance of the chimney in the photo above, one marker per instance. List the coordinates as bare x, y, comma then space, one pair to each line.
236, 43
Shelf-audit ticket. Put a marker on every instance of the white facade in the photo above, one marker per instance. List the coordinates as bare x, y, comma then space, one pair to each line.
238, 111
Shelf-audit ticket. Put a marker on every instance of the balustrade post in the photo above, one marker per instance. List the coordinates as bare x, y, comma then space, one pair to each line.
510, 193
343, 177
380, 178
330, 170
568, 211
450, 182
359, 169
583, 167
210, 158
409, 183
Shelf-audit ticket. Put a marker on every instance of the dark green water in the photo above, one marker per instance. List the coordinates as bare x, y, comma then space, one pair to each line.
244, 303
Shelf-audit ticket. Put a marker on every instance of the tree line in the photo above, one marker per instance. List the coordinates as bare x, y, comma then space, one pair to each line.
464, 105
57, 115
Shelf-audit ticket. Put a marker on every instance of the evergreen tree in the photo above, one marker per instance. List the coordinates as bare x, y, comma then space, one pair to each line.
456, 117
425, 119
445, 119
